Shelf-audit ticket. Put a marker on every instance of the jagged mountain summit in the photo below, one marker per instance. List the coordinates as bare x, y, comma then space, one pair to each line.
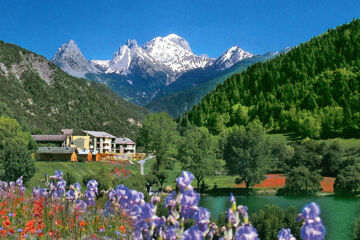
142, 73
231, 56
70, 59
170, 55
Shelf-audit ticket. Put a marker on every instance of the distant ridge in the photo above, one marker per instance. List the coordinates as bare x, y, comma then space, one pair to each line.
45, 99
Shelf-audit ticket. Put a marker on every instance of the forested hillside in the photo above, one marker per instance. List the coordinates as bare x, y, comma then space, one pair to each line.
45, 99
312, 90
181, 98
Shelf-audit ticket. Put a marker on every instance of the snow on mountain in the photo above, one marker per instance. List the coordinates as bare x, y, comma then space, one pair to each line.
230, 57
70, 59
102, 65
174, 52
168, 56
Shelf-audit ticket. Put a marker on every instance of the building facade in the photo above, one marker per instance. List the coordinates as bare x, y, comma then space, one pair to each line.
101, 141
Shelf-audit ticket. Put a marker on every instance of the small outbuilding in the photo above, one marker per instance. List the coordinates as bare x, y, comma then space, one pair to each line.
84, 155
57, 154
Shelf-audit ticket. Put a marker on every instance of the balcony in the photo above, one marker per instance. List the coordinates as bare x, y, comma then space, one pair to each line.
106, 147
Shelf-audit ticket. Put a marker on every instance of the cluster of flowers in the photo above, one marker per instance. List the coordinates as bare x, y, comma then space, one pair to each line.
183, 208
57, 212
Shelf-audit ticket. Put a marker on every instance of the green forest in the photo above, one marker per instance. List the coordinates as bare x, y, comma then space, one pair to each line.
312, 90
61, 101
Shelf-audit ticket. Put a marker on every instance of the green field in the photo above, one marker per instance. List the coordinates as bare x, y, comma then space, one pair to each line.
78, 169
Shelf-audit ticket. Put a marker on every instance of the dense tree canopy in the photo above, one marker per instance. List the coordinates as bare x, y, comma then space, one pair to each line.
348, 179
16, 147
301, 181
197, 153
312, 90
159, 136
246, 152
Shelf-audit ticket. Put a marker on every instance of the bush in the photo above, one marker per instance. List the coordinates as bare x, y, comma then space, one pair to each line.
136, 182
272, 218
15, 151
301, 181
348, 180
69, 178
102, 177
16, 161
356, 230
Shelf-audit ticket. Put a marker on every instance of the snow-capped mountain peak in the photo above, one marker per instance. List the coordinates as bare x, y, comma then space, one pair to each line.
69, 58
167, 57
232, 56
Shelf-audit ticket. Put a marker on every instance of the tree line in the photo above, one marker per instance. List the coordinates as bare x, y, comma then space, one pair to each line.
312, 90
247, 153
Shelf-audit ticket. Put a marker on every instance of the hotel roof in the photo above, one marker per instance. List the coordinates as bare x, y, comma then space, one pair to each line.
49, 138
57, 150
99, 134
124, 141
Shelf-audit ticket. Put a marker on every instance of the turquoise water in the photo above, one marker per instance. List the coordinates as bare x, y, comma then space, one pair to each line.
337, 213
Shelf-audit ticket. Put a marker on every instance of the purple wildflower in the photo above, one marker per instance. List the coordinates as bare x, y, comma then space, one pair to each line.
285, 234
246, 232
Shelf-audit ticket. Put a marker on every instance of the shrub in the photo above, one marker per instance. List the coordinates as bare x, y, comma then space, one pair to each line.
102, 177
272, 218
348, 179
69, 178
356, 230
301, 181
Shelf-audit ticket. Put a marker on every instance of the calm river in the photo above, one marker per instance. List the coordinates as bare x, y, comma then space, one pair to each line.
337, 213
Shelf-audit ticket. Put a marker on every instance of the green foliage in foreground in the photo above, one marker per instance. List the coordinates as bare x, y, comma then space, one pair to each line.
16, 147
49, 104
272, 218
312, 90
356, 229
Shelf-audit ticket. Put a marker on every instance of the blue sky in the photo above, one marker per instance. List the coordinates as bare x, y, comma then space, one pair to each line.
210, 26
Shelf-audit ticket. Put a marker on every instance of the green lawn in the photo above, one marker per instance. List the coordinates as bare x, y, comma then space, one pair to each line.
78, 169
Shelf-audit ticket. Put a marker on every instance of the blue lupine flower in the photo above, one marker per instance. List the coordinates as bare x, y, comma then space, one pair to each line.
57, 175
313, 230
243, 211
36, 192
90, 198
285, 234
193, 233
170, 232
92, 186
70, 195
61, 184
184, 180
190, 197
19, 182
77, 186
246, 232
312, 211
80, 206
